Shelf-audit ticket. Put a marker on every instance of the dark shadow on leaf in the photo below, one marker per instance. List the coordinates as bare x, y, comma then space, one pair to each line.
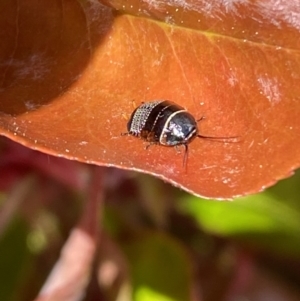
47, 47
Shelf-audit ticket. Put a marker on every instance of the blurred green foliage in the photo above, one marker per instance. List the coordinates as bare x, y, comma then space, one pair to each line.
158, 251
270, 220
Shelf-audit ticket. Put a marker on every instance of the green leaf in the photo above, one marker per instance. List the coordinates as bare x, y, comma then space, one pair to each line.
14, 258
267, 219
160, 269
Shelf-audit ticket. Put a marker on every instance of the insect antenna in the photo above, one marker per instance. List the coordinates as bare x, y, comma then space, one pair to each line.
218, 138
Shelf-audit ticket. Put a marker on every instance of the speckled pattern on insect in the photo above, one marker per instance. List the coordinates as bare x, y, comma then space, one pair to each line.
140, 116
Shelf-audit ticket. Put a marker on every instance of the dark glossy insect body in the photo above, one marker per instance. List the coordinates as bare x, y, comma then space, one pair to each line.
163, 122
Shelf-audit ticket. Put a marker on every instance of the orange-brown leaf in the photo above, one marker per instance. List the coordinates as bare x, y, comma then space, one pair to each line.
71, 71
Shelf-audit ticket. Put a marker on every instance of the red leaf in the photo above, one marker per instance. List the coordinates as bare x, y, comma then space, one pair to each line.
70, 72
